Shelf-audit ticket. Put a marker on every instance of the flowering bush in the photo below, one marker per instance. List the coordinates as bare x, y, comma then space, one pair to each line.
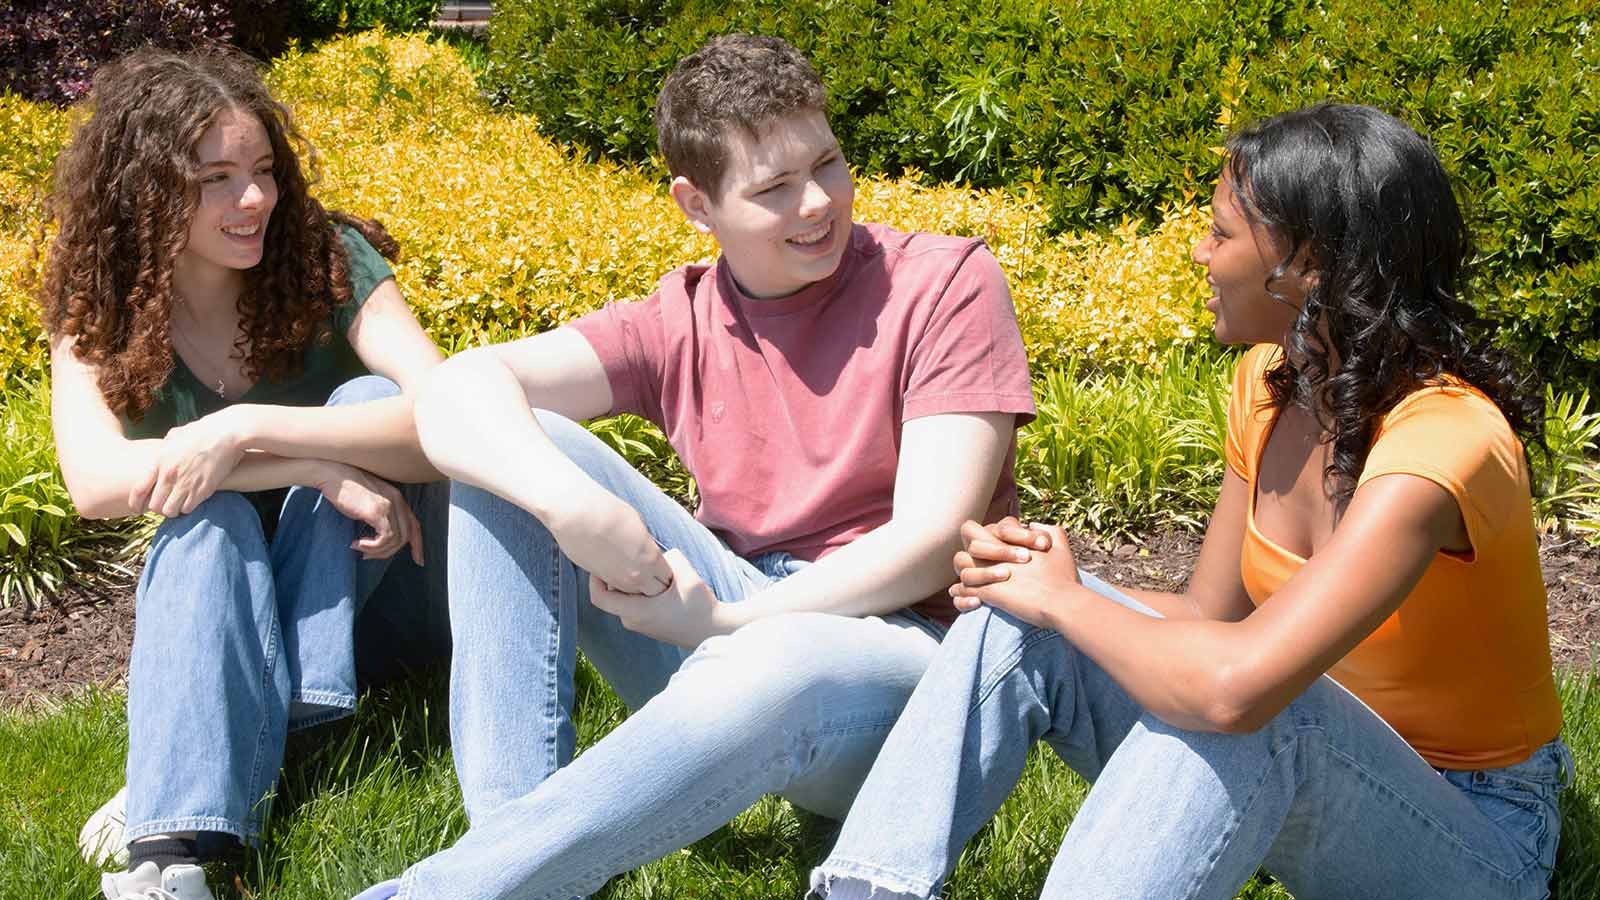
505, 233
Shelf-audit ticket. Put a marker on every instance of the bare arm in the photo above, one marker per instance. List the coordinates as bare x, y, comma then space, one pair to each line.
109, 476
378, 436
475, 423
1235, 675
947, 471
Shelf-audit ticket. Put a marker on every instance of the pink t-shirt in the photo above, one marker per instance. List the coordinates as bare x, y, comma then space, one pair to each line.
787, 412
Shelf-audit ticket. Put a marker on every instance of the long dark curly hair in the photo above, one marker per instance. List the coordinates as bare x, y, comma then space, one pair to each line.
1364, 198
123, 194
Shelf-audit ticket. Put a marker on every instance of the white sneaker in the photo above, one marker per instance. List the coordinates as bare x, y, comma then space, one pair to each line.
179, 882
101, 837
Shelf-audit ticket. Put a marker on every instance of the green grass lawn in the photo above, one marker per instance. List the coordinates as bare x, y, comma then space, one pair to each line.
361, 798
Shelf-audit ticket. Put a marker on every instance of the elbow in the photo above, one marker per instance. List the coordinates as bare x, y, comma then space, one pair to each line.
1233, 704
94, 504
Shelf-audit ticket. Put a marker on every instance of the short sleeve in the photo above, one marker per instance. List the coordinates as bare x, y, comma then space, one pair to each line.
368, 269
1458, 439
630, 340
969, 357
1248, 415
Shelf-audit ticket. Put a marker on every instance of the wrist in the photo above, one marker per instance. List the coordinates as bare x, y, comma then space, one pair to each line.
727, 618
240, 427
321, 474
1067, 602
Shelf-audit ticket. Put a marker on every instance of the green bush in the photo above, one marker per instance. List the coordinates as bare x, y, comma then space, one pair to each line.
316, 19
43, 541
1110, 109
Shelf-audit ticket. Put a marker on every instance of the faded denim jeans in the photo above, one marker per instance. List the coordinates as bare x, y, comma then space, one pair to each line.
241, 637
796, 705
1326, 796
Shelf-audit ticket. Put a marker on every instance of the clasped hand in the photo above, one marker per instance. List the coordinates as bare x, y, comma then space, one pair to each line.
684, 614
1015, 567
192, 461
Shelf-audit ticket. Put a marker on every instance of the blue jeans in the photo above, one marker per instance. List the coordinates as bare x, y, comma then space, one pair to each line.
1326, 796
240, 638
795, 704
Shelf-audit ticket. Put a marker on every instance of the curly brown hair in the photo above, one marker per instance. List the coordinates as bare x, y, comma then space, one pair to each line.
123, 194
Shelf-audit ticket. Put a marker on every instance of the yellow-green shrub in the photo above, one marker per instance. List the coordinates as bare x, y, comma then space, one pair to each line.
505, 233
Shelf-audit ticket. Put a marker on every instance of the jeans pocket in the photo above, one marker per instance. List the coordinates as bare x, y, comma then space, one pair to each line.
1521, 801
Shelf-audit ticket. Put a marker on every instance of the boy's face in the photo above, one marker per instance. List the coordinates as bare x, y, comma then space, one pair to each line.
783, 219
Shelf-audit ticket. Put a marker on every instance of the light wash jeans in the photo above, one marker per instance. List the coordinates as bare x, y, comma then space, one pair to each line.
795, 704
240, 638
1327, 797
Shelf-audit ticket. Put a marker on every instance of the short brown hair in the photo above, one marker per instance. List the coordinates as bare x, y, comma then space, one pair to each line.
742, 80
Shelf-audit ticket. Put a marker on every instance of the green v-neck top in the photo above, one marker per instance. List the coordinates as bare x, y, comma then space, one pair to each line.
329, 361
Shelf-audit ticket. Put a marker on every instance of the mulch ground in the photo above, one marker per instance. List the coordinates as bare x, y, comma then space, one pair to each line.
84, 636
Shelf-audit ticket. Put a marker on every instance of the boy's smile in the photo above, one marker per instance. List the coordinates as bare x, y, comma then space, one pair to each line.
783, 215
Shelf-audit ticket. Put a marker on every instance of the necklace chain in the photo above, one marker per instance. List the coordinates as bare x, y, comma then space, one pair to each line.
222, 386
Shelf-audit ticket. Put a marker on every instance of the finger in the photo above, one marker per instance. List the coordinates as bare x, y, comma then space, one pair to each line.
159, 494
410, 528
1010, 531
967, 604
139, 494
962, 560
978, 576
972, 530
998, 551
173, 504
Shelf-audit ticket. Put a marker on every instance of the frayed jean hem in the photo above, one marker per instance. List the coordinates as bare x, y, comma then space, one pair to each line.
879, 881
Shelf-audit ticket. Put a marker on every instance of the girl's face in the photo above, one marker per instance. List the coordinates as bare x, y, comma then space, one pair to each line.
237, 193
1239, 257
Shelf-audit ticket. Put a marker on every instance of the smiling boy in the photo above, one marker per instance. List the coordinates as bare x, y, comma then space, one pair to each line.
845, 396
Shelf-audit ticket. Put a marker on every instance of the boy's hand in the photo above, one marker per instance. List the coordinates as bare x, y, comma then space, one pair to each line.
605, 537
684, 614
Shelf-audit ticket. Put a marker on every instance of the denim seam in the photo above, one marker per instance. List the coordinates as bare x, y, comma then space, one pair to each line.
192, 823
1196, 886
324, 698
256, 815
1422, 814
669, 834
997, 674
552, 650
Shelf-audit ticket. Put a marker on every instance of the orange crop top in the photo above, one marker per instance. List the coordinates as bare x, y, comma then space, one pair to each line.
1462, 669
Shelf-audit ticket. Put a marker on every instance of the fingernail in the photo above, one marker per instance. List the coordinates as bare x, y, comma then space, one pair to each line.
1020, 555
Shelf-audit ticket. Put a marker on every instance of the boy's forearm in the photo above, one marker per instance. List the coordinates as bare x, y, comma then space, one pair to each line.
886, 569
474, 425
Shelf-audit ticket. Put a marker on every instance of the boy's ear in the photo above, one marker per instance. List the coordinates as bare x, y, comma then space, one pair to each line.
695, 204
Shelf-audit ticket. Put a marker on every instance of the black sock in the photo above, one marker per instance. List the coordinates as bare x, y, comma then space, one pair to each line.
163, 851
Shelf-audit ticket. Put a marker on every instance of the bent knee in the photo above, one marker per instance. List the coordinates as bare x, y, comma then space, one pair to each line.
363, 389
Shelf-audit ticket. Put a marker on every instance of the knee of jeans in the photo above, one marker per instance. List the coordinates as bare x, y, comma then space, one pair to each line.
362, 390
999, 633
763, 665
594, 456
229, 513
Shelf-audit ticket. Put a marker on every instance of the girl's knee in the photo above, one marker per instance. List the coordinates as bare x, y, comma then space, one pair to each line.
363, 389
224, 514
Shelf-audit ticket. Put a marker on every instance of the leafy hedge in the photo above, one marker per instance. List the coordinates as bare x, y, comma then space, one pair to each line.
506, 233
49, 49
1109, 109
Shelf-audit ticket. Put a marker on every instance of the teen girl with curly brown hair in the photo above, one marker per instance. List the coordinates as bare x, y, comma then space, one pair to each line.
215, 337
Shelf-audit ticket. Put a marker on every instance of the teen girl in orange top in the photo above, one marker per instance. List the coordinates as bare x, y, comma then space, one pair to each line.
1354, 691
